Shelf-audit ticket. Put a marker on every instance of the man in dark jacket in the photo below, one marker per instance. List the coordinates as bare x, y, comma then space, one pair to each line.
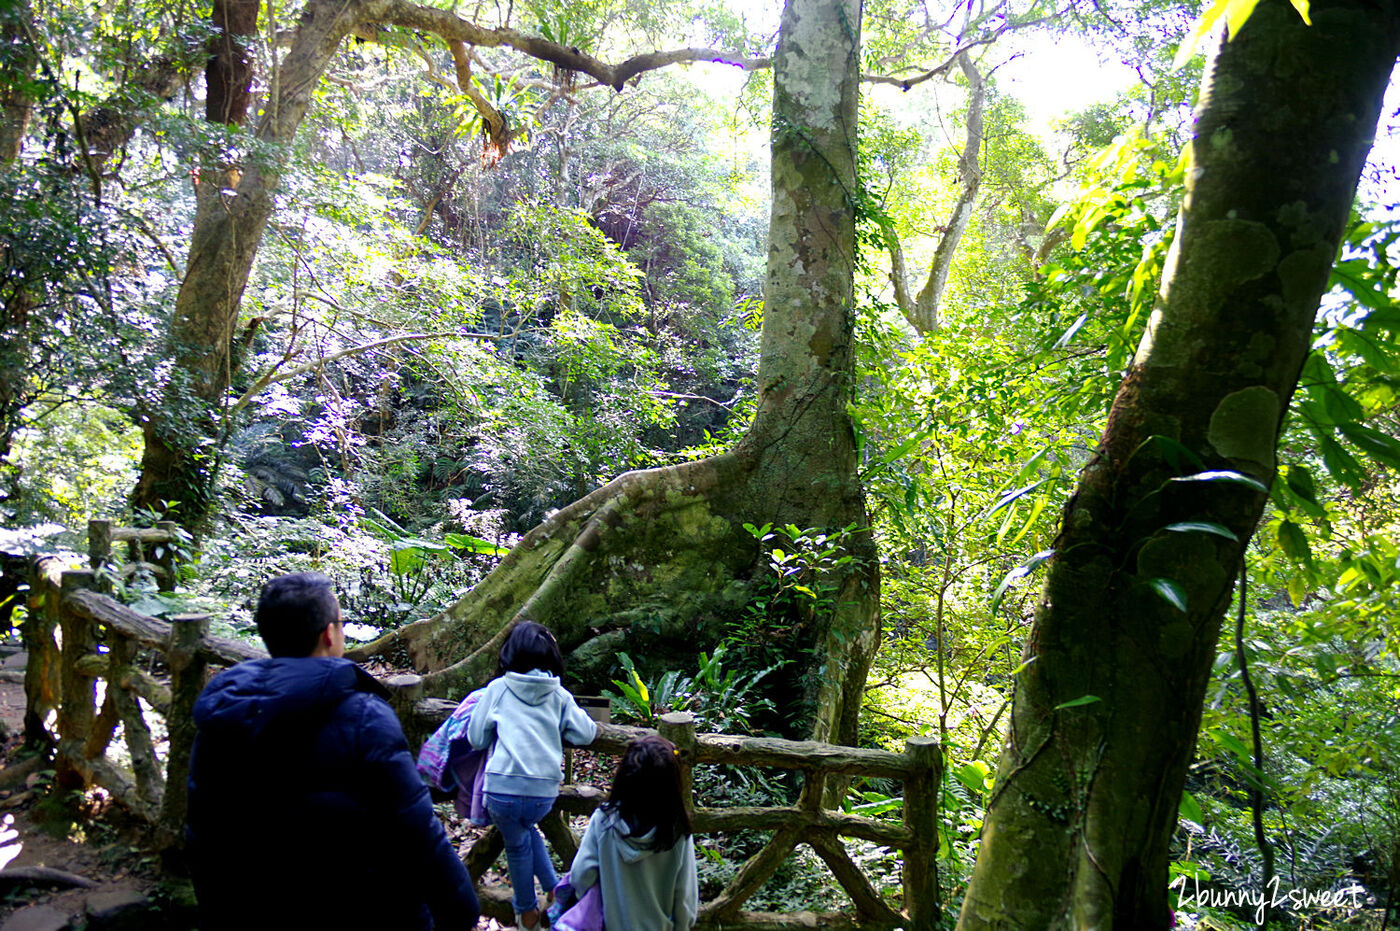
306, 810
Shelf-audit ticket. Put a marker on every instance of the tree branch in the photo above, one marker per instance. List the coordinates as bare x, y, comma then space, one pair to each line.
450, 27
272, 377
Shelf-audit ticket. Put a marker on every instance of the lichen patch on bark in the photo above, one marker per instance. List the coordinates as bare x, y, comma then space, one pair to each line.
817, 55
1244, 426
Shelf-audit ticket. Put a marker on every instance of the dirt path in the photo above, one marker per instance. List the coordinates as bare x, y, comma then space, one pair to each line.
99, 849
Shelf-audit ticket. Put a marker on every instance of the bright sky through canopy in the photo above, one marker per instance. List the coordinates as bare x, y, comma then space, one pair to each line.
1055, 76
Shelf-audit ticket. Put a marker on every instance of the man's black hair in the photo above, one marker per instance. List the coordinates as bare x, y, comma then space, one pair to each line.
530, 646
293, 610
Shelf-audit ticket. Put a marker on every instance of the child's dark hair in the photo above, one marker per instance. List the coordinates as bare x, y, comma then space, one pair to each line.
646, 792
530, 646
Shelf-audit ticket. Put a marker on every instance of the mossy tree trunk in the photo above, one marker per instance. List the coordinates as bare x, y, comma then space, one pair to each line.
654, 555
1086, 795
18, 62
229, 219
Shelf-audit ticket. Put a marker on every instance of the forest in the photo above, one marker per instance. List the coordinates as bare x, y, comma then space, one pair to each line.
783, 362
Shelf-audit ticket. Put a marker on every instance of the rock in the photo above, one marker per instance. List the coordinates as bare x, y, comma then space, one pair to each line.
118, 910
36, 918
15, 661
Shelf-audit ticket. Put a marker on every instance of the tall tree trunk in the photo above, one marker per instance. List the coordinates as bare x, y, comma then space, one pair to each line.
661, 556
1086, 795
231, 212
18, 61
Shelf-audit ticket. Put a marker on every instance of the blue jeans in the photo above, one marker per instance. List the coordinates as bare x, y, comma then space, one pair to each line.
526, 857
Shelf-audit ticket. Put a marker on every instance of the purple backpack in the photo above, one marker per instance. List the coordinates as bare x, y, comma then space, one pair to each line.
448, 762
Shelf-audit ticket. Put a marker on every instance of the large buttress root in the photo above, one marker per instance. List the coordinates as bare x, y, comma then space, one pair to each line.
665, 548
662, 537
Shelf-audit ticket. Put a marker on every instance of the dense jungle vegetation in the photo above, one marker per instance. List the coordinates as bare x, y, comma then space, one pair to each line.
486, 279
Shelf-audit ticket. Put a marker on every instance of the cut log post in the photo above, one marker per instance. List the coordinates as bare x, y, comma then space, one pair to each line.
42, 675
100, 547
104, 726
679, 728
78, 711
185, 655
165, 555
101, 771
921, 787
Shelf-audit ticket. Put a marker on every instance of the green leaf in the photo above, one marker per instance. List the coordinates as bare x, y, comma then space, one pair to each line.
1237, 12
1341, 407
1340, 464
1300, 481
974, 775
1380, 447
1202, 526
1189, 870
877, 806
1036, 508
1190, 809
1170, 592
1355, 276
460, 541
1294, 542
1178, 456
1011, 496
1224, 475
1210, 17
1020, 572
1076, 702
1297, 590
1234, 745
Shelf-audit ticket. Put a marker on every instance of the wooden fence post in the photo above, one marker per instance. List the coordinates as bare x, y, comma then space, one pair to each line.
921, 788
165, 581
679, 728
187, 669
42, 683
78, 709
99, 542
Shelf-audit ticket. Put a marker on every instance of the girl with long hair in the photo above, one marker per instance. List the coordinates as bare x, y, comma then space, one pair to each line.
638, 847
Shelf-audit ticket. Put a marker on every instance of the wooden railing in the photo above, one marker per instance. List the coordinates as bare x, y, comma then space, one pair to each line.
103, 641
162, 540
919, 767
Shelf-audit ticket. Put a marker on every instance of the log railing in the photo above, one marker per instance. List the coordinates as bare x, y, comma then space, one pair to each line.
103, 641
106, 642
919, 767
162, 539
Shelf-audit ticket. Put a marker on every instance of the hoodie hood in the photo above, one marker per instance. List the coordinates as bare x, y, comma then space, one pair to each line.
279, 693
533, 687
631, 849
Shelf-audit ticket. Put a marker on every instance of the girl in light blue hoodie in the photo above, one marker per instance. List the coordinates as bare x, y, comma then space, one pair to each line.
638, 847
524, 716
